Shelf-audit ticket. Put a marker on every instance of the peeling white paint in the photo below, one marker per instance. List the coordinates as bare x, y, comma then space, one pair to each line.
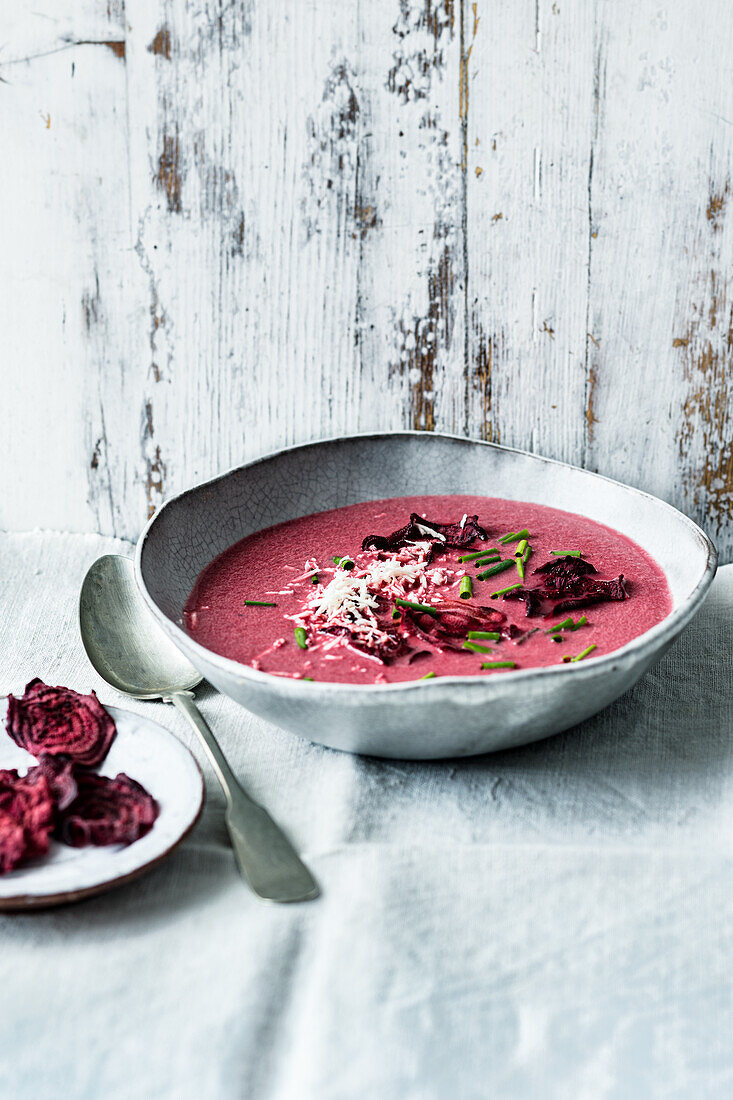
222, 235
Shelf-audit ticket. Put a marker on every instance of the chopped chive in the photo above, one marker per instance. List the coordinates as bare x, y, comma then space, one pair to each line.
476, 648
557, 638
301, 637
498, 664
345, 563
488, 635
520, 568
526, 554
466, 588
258, 603
566, 624
529, 634
417, 606
427, 676
514, 536
567, 553
396, 613
478, 554
583, 654
314, 578
494, 569
488, 560
503, 591
307, 678
521, 547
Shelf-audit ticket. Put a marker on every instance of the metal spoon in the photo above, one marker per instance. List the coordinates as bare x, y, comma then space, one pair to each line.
131, 652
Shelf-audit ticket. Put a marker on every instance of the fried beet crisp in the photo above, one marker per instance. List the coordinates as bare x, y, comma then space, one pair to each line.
60, 796
107, 811
57, 720
530, 597
451, 620
27, 814
574, 582
441, 536
59, 771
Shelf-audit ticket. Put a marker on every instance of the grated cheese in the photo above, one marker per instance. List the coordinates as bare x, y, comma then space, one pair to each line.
350, 599
310, 569
429, 531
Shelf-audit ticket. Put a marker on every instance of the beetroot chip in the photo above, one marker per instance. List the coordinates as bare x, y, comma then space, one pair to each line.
59, 771
452, 621
442, 536
593, 591
574, 582
565, 577
57, 720
27, 801
391, 646
530, 597
107, 811
568, 565
12, 842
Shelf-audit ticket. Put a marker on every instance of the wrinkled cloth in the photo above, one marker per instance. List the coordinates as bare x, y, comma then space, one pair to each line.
551, 922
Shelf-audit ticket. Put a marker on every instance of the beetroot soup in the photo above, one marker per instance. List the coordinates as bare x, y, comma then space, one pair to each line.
416, 587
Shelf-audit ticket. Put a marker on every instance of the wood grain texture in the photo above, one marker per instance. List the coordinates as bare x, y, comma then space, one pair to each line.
233, 226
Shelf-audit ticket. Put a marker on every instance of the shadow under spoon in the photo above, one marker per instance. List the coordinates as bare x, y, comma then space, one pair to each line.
130, 651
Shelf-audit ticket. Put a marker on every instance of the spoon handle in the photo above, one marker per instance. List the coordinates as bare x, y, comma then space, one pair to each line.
265, 857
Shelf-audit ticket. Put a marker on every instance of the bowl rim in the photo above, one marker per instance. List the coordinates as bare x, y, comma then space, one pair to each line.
638, 647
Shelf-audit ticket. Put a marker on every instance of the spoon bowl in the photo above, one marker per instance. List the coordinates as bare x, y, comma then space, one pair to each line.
122, 639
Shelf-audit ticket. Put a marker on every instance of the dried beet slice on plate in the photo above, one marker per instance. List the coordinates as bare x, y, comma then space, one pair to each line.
59, 771
28, 801
107, 811
12, 842
158, 762
56, 720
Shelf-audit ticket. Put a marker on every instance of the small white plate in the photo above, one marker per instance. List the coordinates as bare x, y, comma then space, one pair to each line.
151, 755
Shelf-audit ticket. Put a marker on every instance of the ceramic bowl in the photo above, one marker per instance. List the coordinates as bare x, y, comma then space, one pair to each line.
447, 716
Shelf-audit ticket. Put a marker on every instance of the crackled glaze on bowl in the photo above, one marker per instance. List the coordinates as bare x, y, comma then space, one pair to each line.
451, 716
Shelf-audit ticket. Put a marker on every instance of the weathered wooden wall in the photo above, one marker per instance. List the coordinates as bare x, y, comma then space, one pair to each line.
233, 225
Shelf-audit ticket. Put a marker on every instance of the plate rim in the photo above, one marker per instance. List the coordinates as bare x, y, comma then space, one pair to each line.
24, 902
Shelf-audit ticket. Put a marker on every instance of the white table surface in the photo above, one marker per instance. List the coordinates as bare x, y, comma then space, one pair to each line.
555, 921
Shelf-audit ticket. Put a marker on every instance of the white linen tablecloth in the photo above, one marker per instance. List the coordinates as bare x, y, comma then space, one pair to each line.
552, 922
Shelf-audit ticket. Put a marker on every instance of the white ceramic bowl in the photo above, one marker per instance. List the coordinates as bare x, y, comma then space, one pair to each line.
447, 716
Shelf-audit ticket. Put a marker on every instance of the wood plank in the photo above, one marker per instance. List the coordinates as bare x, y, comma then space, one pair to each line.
244, 165
660, 398
510, 219
530, 115
411, 292
68, 308
299, 225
